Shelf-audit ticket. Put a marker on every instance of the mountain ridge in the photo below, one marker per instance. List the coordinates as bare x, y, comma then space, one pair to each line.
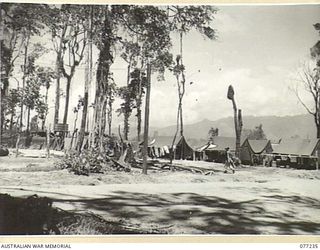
275, 127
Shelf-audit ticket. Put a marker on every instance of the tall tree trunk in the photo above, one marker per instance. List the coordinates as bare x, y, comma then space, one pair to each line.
66, 106
46, 113
127, 112
181, 120
235, 118
237, 126
181, 94
11, 121
139, 104
102, 77
28, 121
57, 100
58, 76
87, 84
1, 115
139, 113
109, 116
24, 79
126, 116
146, 123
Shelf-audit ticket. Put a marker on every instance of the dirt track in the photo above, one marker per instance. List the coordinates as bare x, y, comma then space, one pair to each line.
255, 200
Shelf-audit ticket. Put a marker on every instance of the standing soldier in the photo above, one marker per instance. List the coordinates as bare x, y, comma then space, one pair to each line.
229, 162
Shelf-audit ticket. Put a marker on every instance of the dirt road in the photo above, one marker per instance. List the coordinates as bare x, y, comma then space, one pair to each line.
255, 200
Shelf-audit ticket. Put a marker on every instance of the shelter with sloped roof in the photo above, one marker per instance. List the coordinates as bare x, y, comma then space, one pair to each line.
306, 147
160, 147
251, 149
300, 153
215, 151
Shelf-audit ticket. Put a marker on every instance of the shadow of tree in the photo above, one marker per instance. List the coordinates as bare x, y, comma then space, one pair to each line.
197, 214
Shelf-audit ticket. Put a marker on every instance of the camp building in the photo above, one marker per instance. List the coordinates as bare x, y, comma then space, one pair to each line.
298, 153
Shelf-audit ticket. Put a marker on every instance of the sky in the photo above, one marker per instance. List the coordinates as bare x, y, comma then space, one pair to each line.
259, 50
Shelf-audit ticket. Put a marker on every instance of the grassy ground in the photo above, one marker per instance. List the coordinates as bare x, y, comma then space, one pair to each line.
254, 200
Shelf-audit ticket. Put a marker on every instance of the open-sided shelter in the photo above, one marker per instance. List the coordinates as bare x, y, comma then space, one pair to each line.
198, 146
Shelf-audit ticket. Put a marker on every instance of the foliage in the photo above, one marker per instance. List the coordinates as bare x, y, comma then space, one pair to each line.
32, 98
46, 75
256, 134
12, 101
19, 22
212, 133
186, 18
315, 50
88, 161
309, 78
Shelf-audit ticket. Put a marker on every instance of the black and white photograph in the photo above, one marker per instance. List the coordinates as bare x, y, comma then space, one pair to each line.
159, 119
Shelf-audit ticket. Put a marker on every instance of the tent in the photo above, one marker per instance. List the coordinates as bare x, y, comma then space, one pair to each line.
251, 150
160, 147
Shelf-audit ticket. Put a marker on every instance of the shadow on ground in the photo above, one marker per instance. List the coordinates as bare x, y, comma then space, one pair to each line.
196, 214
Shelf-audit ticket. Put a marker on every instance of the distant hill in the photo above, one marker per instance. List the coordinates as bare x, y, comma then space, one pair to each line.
275, 127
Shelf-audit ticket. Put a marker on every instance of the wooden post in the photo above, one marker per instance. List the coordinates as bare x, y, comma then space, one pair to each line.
146, 122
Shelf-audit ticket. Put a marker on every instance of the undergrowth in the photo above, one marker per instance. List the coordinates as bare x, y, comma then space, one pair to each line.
84, 163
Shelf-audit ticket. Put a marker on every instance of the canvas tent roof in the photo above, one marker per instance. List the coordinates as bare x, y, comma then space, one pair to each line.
258, 146
296, 146
161, 141
222, 143
196, 144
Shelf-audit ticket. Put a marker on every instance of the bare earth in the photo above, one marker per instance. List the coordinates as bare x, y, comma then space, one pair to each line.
254, 200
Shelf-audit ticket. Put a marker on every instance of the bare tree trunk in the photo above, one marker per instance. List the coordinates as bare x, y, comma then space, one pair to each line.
46, 114
109, 117
102, 76
126, 125
66, 106
237, 126
127, 103
139, 118
74, 130
28, 121
86, 86
11, 121
146, 122
48, 142
58, 62
2, 115
24, 78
